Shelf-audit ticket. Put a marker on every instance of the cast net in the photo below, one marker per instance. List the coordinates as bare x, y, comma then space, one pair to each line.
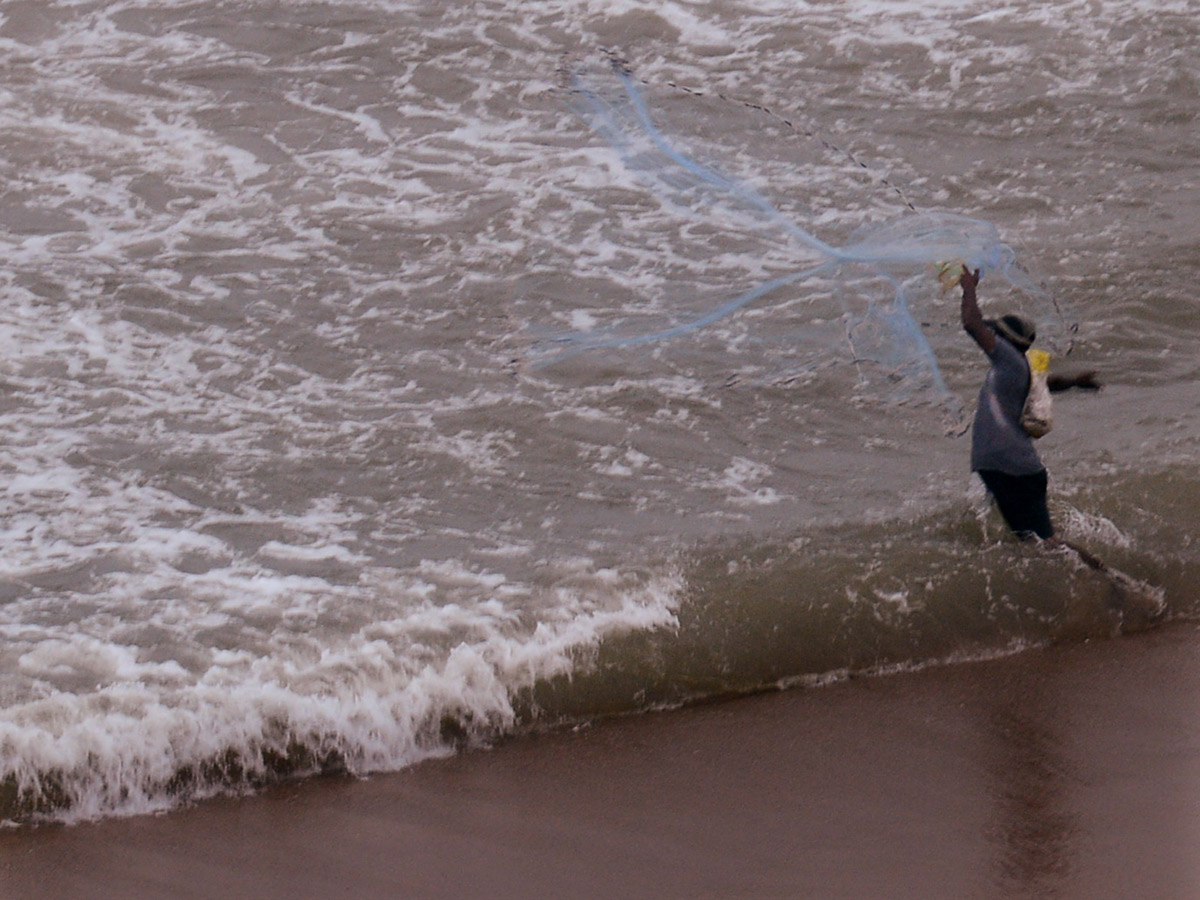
852, 267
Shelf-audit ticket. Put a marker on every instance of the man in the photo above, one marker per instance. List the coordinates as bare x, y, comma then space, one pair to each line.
1002, 453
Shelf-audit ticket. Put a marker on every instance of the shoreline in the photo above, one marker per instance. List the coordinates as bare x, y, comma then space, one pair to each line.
1069, 772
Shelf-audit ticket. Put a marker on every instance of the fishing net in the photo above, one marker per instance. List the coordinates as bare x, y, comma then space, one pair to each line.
856, 267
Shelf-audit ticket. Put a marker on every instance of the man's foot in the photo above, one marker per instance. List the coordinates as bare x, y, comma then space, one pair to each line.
1140, 605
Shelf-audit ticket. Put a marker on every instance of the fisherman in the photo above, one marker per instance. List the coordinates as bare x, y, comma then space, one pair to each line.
1003, 455
1002, 451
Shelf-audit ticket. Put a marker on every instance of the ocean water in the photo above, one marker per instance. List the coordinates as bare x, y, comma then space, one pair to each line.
282, 493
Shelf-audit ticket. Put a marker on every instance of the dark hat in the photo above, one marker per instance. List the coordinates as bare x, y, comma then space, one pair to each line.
1017, 330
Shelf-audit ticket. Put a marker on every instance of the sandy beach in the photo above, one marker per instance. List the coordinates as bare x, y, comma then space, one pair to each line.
1066, 772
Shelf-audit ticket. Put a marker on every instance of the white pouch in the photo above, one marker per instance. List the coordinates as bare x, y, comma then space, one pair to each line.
1037, 418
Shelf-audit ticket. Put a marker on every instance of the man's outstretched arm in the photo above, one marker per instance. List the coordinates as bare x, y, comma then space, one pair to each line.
1086, 381
972, 318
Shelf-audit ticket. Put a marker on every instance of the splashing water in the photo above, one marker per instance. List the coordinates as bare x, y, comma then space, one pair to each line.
884, 274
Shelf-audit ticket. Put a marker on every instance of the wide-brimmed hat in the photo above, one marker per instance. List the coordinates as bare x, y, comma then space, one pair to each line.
1017, 330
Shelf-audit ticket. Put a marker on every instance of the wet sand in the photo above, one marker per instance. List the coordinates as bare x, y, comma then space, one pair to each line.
1072, 772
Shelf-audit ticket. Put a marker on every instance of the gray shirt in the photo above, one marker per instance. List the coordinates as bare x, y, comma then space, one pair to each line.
998, 442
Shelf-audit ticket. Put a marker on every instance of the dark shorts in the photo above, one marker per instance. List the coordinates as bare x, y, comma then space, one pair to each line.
1022, 501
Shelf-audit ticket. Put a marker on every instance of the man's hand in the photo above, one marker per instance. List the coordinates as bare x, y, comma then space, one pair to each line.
1086, 381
